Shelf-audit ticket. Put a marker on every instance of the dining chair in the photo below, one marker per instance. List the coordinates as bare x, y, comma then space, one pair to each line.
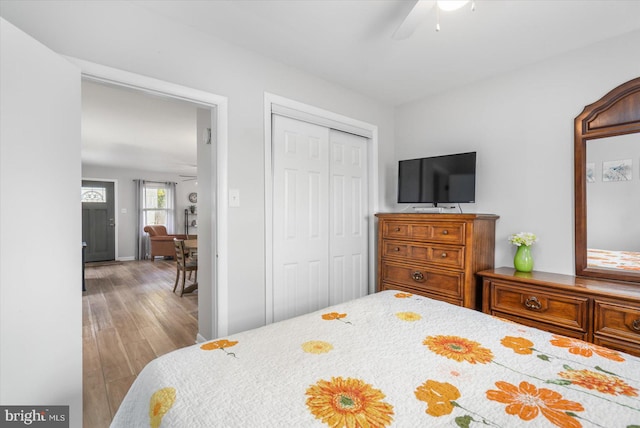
184, 264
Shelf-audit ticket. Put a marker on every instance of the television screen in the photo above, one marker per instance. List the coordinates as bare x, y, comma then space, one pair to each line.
438, 179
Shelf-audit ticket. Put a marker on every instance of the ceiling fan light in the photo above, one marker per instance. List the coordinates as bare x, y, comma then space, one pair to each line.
449, 5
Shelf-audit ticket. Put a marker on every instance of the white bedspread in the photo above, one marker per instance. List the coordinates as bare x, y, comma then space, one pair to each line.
388, 359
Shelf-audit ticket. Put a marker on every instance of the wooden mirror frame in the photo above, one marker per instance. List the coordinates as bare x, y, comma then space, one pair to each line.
617, 113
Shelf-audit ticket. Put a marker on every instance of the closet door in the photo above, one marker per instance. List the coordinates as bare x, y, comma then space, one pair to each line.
348, 242
320, 239
300, 217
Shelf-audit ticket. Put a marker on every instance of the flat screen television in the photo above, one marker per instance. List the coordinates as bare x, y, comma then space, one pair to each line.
438, 179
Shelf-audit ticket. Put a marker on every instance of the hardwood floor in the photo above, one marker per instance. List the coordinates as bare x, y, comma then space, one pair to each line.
129, 317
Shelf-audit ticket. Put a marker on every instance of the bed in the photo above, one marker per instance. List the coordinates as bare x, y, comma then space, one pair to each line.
624, 260
387, 359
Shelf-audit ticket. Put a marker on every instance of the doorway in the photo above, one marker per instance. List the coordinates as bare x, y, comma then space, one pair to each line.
98, 220
212, 193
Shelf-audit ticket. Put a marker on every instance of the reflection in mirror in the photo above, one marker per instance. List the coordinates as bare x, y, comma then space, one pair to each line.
613, 202
607, 180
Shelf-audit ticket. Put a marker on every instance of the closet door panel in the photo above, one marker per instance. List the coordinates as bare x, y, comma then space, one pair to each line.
300, 220
348, 223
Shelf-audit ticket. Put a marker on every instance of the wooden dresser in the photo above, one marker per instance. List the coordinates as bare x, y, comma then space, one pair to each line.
603, 312
435, 255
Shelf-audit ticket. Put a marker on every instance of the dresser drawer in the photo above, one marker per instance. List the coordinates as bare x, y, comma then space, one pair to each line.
423, 278
559, 310
617, 320
445, 232
440, 255
577, 334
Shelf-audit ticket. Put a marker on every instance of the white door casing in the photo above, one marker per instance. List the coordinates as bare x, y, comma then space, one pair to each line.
320, 238
213, 299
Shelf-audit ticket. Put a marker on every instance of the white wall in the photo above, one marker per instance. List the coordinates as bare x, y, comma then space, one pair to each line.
127, 37
126, 194
521, 125
40, 249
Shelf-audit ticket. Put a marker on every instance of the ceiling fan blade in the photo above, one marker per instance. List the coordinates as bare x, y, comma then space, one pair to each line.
416, 16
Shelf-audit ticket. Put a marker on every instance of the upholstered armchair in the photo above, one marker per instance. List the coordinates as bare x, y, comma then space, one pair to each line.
161, 243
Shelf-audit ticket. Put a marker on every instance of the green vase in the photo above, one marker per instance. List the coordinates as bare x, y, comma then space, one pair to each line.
523, 261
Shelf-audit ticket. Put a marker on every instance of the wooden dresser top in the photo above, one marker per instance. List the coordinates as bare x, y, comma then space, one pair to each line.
436, 216
567, 282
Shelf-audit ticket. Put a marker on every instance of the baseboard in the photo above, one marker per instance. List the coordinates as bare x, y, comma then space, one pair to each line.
126, 259
200, 338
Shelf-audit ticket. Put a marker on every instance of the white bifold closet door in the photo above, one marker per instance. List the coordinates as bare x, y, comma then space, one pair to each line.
320, 241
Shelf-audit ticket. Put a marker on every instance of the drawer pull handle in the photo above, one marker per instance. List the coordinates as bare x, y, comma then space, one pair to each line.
397, 249
397, 229
443, 255
417, 276
636, 324
445, 232
533, 303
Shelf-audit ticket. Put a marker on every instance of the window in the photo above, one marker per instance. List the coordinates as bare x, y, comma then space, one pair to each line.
157, 207
94, 194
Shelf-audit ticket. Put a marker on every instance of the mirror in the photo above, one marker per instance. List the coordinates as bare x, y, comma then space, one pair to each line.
607, 186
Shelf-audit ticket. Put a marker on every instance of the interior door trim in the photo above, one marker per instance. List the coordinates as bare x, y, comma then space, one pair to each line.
217, 304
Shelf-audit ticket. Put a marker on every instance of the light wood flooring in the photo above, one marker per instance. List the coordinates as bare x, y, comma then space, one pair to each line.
129, 317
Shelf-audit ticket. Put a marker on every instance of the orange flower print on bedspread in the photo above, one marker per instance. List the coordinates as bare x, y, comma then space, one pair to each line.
161, 401
584, 349
330, 316
520, 345
403, 295
439, 396
348, 403
220, 344
527, 402
333, 316
459, 349
601, 382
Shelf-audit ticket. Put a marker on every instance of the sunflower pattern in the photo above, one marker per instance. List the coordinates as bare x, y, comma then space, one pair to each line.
459, 349
400, 360
348, 403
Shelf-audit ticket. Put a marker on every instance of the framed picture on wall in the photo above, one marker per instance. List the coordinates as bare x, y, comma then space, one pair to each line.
591, 172
617, 170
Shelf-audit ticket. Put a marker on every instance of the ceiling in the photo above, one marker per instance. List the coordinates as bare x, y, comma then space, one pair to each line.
132, 129
348, 42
